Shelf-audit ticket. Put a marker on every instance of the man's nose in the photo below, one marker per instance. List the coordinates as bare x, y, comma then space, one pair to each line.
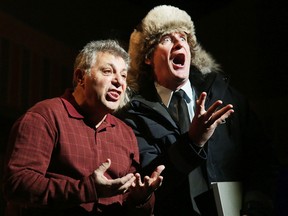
178, 43
119, 80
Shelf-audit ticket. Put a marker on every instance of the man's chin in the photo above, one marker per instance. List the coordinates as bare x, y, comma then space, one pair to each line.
112, 106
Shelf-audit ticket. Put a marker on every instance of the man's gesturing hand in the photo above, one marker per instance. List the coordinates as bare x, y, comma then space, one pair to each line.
205, 122
110, 187
141, 191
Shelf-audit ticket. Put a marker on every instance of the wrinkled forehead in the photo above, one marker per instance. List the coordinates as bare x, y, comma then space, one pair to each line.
175, 34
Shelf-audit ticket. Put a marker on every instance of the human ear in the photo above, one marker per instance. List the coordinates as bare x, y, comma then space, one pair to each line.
79, 76
147, 60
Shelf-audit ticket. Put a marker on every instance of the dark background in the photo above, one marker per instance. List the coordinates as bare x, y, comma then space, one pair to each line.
247, 37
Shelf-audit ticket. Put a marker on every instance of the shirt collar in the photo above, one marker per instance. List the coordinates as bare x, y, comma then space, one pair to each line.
71, 105
74, 109
166, 94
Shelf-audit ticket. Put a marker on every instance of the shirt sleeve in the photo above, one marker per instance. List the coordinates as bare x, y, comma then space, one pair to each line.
30, 149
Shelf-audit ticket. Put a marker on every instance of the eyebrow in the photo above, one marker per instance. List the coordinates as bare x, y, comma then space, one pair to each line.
114, 68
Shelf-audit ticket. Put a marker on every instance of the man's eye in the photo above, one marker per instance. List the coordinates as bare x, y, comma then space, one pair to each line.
166, 40
107, 71
124, 75
183, 38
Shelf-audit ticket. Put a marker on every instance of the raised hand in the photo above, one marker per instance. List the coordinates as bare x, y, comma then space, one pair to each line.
110, 187
205, 122
141, 191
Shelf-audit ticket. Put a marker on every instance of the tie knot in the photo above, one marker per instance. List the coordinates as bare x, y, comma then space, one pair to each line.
179, 93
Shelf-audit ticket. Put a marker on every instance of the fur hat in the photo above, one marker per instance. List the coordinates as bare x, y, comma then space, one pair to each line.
161, 20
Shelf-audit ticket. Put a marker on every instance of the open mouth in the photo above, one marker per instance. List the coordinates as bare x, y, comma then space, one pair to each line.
179, 59
113, 95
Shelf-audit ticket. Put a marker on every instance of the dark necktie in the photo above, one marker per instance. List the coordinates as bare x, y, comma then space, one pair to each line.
179, 111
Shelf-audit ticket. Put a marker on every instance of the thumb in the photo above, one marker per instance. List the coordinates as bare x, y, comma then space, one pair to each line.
104, 166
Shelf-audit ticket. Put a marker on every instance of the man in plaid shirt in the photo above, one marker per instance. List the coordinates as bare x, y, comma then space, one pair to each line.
70, 156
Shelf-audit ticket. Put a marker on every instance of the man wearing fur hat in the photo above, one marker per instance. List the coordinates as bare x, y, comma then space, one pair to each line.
221, 141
